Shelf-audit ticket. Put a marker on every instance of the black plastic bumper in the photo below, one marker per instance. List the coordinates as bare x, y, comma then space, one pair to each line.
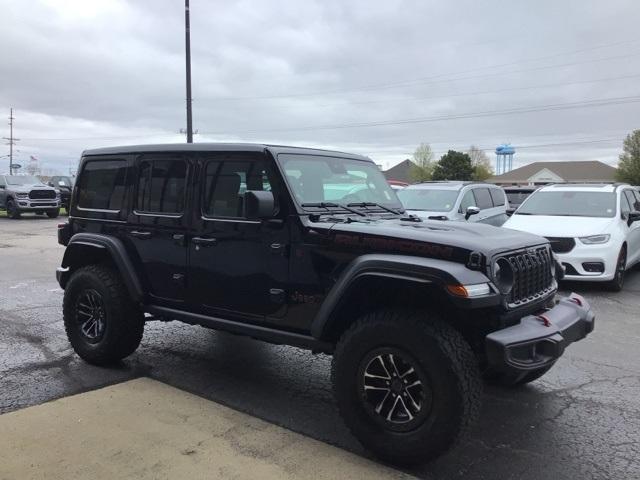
539, 340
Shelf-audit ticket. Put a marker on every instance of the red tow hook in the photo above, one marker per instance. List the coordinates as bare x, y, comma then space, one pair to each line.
545, 321
577, 299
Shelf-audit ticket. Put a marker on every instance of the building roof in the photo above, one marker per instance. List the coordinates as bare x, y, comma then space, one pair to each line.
580, 171
400, 171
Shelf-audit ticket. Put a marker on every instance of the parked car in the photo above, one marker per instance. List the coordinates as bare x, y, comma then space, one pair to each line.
23, 193
593, 229
397, 184
517, 195
259, 240
476, 202
64, 185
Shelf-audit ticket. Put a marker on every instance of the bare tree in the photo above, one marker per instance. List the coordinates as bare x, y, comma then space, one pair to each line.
422, 169
481, 163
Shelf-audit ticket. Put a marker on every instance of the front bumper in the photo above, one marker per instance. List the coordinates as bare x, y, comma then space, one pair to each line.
26, 205
539, 340
606, 253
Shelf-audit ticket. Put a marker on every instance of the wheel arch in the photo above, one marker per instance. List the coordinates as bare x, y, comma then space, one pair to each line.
378, 281
87, 249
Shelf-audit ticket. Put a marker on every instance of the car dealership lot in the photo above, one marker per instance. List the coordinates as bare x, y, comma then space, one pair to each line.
581, 420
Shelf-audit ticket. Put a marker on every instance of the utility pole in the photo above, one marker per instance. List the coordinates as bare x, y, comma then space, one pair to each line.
187, 31
11, 141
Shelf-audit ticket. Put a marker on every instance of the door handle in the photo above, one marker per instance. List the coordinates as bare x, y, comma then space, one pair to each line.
204, 242
140, 234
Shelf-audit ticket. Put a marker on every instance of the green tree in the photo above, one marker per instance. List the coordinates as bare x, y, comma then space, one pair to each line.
629, 166
453, 166
422, 167
481, 163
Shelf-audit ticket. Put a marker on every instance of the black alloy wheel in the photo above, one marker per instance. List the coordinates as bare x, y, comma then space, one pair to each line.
91, 315
395, 391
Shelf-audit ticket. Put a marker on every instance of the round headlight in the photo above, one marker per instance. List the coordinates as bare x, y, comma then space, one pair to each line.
503, 275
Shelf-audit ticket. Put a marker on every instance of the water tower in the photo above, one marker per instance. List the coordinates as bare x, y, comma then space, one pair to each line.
504, 158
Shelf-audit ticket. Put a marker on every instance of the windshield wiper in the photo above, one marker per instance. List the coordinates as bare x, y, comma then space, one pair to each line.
372, 204
330, 205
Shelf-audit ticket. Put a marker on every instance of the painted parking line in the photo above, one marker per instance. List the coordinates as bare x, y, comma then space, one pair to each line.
145, 429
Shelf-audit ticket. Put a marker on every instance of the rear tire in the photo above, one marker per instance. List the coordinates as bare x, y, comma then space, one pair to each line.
53, 213
443, 381
12, 209
102, 323
617, 284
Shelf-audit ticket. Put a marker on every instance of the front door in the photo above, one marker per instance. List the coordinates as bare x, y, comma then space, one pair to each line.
158, 222
238, 268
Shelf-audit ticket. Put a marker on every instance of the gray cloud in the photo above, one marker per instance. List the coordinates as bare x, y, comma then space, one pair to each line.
82, 74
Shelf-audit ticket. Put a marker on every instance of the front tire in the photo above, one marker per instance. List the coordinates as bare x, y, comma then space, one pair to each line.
12, 209
53, 213
103, 325
407, 385
617, 283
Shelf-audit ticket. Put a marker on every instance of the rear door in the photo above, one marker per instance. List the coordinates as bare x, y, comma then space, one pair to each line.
499, 211
485, 204
157, 224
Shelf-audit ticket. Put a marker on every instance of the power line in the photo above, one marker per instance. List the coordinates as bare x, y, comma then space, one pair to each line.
427, 80
490, 113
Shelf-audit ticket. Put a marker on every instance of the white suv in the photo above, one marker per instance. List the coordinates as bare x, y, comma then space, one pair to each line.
594, 230
472, 201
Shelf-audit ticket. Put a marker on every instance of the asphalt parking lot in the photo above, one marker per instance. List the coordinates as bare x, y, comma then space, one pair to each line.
582, 420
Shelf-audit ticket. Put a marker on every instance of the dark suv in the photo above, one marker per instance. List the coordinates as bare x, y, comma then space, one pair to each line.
312, 248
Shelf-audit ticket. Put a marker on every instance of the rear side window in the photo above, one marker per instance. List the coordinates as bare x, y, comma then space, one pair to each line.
101, 185
161, 186
497, 195
483, 198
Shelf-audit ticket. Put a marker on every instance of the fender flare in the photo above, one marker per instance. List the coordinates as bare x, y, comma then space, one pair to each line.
115, 250
412, 269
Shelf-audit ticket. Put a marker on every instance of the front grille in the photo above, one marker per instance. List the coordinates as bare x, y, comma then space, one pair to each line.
532, 275
41, 194
561, 244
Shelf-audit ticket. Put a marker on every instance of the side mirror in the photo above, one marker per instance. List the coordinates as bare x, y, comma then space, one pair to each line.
258, 204
633, 217
471, 211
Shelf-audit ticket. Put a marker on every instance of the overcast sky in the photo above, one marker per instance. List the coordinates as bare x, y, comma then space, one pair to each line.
558, 79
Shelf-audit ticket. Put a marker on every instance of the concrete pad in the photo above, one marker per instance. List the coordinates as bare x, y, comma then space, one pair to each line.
147, 430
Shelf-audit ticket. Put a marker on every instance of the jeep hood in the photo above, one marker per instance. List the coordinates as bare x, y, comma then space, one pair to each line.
433, 238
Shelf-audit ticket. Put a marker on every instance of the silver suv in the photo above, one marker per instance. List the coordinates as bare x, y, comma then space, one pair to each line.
23, 193
472, 201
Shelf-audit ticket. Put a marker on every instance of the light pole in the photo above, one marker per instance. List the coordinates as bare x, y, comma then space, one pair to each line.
188, 70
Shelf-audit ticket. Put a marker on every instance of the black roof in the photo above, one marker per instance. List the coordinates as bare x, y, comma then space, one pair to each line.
217, 147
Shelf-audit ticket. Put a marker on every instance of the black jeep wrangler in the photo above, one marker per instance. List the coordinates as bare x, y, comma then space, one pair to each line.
312, 248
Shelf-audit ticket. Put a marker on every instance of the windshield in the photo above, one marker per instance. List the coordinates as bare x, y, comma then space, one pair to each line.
21, 180
431, 199
571, 204
316, 179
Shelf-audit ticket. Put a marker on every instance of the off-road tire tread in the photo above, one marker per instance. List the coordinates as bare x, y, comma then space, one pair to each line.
127, 327
462, 362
